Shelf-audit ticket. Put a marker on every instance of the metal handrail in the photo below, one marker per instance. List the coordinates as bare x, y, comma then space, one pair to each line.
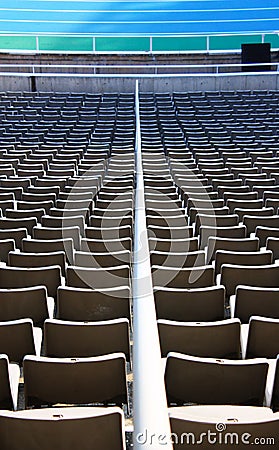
37, 69
136, 75
151, 423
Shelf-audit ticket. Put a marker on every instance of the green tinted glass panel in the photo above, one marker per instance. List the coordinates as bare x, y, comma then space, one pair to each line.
179, 44
232, 42
73, 44
133, 44
18, 42
122, 44
273, 39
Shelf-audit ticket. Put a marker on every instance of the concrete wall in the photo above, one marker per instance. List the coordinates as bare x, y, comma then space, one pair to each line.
15, 83
210, 82
147, 83
85, 84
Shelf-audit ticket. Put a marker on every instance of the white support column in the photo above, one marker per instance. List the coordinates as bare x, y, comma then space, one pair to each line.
151, 423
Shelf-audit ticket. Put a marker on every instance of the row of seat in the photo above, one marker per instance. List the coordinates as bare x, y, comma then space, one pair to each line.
62, 338
63, 428
49, 381
206, 185
67, 213
44, 380
212, 223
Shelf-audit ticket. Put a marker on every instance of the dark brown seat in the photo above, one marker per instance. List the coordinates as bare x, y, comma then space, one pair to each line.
218, 339
49, 233
108, 233
272, 243
24, 205
262, 338
255, 301
211, 381
14, 224
80, 304
25, 213
63, 428
48, 246
106, 259
230, 244
216, 212
242, 258
241, 212
204, 420
18, 277
19, 338
170, 233
98, 278
32, 302
211, 220
263, 233
24, 259
176, 277
103, 245
9, 382
234, 232
261, 276
252, 222
248, 204
200, 304
65, 222
48, 381
178, 259
173, 245
65, 339
6, 246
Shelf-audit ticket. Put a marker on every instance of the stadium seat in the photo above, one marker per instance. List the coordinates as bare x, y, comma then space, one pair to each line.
177, 277
65, 339
63, 428
254, 301
19, 338
52, 245
6, 246
210, 381
48, 381
233, 232
260, 338
10, 374
179, 259
218, 339
18, 277
241, 258
230, 244
190, 305
20, 303
237, 420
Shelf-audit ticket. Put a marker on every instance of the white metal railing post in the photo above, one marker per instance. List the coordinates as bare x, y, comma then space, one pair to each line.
37, 44
151, 423
207, 43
